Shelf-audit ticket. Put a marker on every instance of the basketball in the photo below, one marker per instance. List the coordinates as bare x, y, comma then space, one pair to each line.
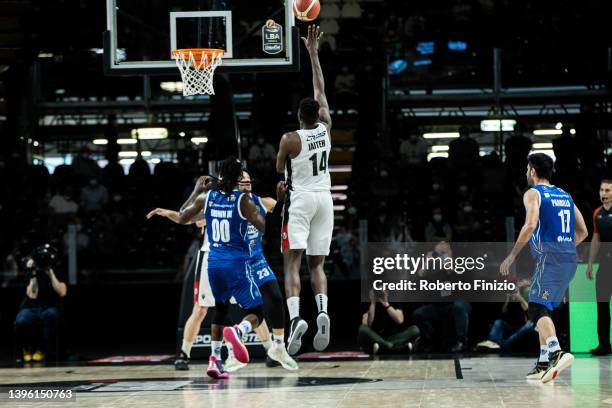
306, 10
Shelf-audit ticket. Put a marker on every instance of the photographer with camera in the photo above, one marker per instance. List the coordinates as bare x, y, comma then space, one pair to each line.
383, 327
41, 307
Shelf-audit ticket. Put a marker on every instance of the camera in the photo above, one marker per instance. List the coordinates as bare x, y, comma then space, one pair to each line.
44, 257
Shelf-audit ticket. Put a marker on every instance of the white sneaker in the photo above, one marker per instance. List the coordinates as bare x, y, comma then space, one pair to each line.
278, 353
297, 328
321, 339
488, 344
232, 364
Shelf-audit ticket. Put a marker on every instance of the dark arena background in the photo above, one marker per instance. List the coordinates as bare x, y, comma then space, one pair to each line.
436, 107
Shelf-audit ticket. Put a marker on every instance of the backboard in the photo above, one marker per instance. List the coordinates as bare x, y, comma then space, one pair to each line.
141, 34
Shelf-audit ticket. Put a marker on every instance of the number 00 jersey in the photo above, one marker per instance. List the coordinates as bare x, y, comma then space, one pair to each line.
309, 170
226, 228
555, 229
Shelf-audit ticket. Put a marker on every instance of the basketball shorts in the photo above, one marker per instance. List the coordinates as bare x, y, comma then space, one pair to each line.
552, 275
308, 222
202, 293
261, 271
232, 278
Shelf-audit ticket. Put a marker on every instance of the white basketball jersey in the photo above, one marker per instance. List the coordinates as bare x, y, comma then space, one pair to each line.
309, 170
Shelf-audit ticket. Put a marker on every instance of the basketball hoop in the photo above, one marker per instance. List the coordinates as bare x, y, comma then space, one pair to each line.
197, 67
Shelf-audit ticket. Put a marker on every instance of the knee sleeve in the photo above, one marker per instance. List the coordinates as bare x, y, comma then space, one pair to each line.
221, 310
536, 311
257, 311
273, 304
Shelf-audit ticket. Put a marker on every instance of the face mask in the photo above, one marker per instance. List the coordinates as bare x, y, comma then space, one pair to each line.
437, 217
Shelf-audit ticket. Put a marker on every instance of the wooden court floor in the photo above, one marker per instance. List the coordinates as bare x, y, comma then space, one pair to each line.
461, 382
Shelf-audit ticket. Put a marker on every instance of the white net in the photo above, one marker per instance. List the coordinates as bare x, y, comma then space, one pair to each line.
197, 70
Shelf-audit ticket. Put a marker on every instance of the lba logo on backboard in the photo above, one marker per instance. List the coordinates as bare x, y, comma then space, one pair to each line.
203, 340
272, 37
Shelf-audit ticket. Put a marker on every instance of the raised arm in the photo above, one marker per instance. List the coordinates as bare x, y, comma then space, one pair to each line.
318, 83
190, 213
203, 184
249, 210
174, 216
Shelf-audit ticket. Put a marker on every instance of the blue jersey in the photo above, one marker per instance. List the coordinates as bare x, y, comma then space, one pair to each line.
253, 234
226, 228
555, 230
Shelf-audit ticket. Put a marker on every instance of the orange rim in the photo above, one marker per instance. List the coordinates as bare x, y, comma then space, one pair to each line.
198, 53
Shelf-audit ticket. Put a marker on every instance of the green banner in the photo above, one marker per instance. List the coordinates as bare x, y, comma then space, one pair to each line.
583, 315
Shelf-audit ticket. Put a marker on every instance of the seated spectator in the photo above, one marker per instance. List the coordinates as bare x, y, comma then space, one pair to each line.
517, 148
93, 196
513, 323
113, 175
63, 204
85, 168
383, 327
262, 153
432, 318
438, 229
330, 26
345, 81
139, 169
41, 307
413, 150
351, 9
467, 223
464, 152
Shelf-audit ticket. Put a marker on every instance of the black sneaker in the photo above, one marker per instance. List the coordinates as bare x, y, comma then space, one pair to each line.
538, 371
272, 363
297, 329
557, 361
182, 362
601, 351
458, 347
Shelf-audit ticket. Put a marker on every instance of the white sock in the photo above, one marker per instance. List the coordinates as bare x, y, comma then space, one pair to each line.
216, 348
186, 348
279, 340
293, 305
244, 327
553, 344
543, 354
321, 300
267, 344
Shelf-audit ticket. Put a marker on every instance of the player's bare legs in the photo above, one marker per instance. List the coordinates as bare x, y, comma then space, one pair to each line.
318, 280
192, 328
542, 363
292, 260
